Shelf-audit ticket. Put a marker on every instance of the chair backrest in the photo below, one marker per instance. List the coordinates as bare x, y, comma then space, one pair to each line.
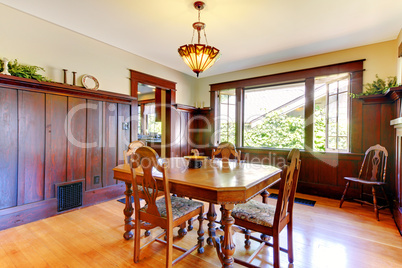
132, 147
195, 152
288, 185
226, 149
374, 165
147, 158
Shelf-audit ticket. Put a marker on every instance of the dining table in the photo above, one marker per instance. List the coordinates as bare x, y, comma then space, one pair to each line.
217, 181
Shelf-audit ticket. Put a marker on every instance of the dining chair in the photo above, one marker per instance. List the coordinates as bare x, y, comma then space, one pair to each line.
132, 147
269, 219
195, 152
226, 149
372, 173
166, 212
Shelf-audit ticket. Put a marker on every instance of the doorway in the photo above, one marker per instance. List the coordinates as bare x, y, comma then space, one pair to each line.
164, 96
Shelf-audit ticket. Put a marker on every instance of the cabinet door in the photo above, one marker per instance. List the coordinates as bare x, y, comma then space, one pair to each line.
76, 136
56, 143
31, 146
94, 145
8, 147
109, 159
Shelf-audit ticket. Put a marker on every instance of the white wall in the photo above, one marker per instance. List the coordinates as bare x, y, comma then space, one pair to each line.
380, 58
34, 41
399, 60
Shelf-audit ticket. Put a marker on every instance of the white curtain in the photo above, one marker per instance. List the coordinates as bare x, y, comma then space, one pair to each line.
149, 108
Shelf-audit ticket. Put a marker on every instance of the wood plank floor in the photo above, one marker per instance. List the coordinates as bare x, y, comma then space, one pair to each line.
324, 236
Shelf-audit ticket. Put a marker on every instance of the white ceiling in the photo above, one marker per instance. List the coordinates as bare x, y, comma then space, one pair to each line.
249, 33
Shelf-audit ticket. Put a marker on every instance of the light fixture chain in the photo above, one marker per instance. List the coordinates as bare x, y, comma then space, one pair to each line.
205, 35
192, 38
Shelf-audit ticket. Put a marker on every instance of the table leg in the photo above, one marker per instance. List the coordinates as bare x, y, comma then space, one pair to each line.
211, 216
128, 212
265, 195
226, 249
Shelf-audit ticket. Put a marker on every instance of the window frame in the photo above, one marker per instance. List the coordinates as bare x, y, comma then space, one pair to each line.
355, 70
327, 149
292, 83
228, 106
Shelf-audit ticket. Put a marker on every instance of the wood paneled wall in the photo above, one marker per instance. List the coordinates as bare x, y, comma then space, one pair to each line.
52, 133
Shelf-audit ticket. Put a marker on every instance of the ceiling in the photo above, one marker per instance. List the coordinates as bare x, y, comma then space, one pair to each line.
249, 33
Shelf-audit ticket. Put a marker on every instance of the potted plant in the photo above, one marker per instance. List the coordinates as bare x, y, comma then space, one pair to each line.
25, 71
379, 86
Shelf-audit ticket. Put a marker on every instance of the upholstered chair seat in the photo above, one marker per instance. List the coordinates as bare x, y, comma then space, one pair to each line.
180, 206
255, 212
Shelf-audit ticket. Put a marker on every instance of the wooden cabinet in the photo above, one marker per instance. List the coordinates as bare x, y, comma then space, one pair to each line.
397, 209
52, 133
396, 95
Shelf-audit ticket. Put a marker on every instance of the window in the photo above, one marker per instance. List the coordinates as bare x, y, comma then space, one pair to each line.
153, 128
331, 113
148, 127
227, 116
306, 109
274, 116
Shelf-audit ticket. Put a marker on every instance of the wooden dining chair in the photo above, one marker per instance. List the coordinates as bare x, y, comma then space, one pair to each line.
372, 173
195, 152
132, 147
269, 219
167, 212
226, 149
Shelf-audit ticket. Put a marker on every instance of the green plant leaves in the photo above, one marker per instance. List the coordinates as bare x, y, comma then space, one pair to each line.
379, 86
24, 71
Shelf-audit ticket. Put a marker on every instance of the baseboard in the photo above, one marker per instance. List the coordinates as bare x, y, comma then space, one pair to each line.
15, 216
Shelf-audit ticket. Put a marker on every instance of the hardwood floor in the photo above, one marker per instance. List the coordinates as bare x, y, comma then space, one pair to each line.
324, 236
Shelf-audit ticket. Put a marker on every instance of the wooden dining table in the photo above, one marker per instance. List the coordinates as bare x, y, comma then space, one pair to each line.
217, 181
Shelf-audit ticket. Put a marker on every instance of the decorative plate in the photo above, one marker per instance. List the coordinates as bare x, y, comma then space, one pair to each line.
90, 82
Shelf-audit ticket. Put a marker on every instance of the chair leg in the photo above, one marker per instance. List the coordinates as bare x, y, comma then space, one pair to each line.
200, 234
190, 224
247, 235
375, 203
169, 248
264, 194
137, 245
344, 193
182, 231
290, 241
276, 250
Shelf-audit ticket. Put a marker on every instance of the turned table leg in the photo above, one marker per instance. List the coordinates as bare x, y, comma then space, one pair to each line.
211, 216
128, 212
226, 248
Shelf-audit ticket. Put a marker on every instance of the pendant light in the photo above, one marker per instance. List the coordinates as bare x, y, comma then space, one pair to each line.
199, 57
